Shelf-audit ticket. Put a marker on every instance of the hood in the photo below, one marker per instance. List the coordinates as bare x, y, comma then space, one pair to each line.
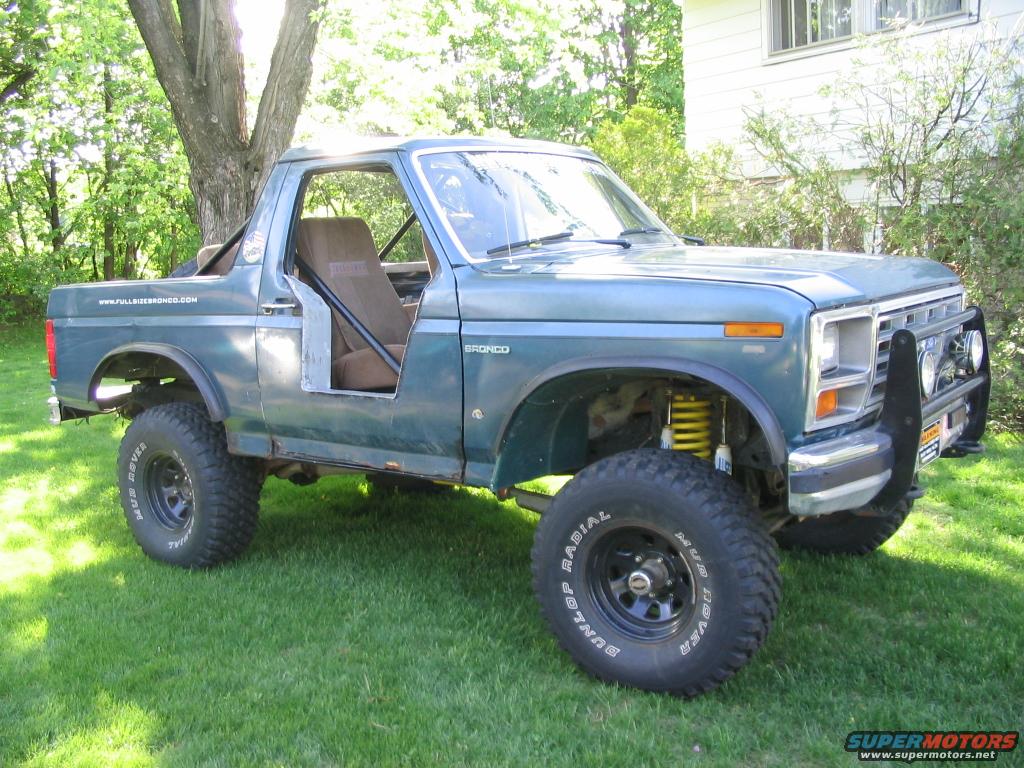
826, 279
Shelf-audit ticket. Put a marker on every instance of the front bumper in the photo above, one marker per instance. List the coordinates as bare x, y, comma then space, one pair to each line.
878, 465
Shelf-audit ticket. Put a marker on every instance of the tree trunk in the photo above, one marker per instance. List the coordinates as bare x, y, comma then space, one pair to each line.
174, 249
53, 210
108, 249
108, 172
130, 255
627, 34
19, 215
221, 188
198, 62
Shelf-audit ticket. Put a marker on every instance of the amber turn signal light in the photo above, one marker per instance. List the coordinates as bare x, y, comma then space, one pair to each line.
828, 403
754, 330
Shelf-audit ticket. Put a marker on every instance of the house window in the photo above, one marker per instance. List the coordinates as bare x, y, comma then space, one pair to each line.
889, 12
798, 23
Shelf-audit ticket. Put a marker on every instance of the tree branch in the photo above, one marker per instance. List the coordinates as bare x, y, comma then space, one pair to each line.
16, 83
287, 84
161, 33
221, 69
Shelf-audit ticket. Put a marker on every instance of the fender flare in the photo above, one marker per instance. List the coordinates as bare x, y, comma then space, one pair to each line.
207, 389
661, 366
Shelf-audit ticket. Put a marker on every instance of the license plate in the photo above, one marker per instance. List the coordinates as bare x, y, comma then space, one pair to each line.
931, 443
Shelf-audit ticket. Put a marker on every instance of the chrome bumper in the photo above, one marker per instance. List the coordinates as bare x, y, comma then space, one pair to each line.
839, 474
54, 405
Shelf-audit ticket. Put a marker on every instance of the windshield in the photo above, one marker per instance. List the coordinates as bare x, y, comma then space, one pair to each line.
508, 204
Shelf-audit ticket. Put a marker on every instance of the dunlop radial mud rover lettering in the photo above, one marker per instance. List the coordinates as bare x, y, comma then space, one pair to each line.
187, 500
653, 571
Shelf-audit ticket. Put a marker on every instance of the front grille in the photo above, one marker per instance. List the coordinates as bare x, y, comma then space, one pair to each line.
909, 312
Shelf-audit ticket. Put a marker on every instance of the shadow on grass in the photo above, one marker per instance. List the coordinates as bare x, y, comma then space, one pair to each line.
356, 609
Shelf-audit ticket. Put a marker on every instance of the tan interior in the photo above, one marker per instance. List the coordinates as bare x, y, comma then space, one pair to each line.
342, 253
428, 251
223, 265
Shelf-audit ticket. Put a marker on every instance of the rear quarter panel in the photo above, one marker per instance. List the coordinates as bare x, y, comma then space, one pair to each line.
211, 318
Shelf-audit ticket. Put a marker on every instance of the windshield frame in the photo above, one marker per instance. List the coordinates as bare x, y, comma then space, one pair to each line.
579, 153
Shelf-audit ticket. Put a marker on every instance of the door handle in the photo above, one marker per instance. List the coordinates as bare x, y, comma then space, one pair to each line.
277, 305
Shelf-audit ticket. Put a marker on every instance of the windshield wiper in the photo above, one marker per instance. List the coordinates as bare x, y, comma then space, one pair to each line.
641, 231
535, 242
655, 231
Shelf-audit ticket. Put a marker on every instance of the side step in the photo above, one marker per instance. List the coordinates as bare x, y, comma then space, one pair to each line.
531, 500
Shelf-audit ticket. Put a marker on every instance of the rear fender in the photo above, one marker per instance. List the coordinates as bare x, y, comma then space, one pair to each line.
208, 390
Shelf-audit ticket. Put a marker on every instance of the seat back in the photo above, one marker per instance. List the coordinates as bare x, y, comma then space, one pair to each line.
428, 252
224, 263
341, 252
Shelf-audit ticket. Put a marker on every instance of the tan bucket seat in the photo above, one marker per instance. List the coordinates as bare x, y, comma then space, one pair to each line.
341, 252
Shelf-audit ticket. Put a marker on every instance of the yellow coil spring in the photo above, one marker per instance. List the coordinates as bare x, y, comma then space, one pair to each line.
691, 425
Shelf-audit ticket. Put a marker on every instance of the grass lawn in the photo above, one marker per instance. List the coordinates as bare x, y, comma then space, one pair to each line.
376, 629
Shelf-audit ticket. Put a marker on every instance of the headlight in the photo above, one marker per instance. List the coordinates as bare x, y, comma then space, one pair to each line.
969, 350
927, 364
840, 364
829, 359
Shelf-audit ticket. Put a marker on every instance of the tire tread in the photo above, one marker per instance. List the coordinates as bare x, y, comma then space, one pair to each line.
233, 507
756, 556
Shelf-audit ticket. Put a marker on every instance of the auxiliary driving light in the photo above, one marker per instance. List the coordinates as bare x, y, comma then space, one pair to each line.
926, 363
969, 350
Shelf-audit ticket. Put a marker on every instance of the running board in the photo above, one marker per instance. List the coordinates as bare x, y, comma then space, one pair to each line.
535, 502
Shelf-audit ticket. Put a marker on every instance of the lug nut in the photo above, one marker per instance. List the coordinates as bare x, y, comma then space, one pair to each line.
669, 583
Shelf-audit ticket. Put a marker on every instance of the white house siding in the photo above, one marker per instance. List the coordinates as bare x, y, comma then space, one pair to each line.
727, 70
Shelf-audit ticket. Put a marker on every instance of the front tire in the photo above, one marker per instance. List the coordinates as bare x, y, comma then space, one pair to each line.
188, 501
653, 571
845, 533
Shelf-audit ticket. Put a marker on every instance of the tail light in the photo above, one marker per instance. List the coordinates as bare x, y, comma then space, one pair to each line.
51, 349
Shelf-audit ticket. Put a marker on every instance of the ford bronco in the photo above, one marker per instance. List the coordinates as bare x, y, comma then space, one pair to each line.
484, 313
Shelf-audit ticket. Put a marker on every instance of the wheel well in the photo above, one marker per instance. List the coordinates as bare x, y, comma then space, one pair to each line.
576, 419
157, 377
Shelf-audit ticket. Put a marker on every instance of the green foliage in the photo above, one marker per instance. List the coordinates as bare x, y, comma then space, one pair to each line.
553, 69
687, 192
705, 193
645, 152
94, 181
22, 43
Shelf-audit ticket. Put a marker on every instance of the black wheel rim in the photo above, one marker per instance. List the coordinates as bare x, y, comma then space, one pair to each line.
170, 492
641, 582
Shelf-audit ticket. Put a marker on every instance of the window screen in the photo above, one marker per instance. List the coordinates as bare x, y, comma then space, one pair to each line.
796, 23
888, 11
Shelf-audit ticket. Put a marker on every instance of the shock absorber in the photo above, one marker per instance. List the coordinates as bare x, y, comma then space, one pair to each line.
689, 426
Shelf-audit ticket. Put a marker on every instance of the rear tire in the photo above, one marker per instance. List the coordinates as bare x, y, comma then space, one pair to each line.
187, 500
844, 533
653, 571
